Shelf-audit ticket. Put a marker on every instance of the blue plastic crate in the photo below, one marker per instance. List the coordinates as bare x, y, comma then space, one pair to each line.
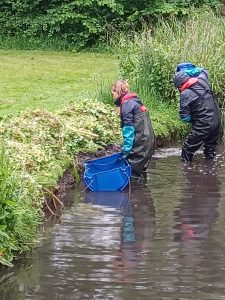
109, 173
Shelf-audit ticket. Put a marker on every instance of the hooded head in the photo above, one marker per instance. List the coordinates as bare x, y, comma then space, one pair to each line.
185, 66
188, 68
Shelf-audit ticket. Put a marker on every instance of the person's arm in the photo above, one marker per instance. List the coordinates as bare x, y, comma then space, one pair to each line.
128, 138
185, 113
128, 130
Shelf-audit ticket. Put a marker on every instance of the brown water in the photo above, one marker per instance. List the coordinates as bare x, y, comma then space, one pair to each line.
166, 240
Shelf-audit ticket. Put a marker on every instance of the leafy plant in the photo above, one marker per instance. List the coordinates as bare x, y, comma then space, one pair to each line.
40, 146
18, 219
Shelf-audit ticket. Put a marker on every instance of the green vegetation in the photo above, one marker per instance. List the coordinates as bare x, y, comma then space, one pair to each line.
67, 23
149, 59
19, 210
38, 147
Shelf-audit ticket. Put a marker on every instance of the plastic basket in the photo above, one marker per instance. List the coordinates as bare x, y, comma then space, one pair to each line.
109, 173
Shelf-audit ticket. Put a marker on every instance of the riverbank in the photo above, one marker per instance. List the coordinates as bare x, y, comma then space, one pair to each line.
37, 160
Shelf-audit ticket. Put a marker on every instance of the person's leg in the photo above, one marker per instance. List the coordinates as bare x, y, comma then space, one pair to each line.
210, 145
192, 143
137, 163
146, 166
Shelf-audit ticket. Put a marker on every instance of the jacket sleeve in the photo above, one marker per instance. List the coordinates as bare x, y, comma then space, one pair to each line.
128, 129
127, 110
185, 114
128, 138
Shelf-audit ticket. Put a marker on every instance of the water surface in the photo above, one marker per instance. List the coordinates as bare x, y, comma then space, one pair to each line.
162, 239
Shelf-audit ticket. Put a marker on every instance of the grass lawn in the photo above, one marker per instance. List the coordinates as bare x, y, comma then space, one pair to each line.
48, 79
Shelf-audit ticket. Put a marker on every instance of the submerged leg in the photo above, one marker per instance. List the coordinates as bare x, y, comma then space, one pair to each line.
210, 145
192, 143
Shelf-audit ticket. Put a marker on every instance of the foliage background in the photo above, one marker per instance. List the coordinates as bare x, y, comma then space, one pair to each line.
83, 22
148, 58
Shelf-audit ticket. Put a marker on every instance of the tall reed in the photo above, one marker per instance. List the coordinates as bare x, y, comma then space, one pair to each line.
148, 59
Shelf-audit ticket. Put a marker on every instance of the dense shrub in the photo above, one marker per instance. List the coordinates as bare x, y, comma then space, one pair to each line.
83, 22
20, 204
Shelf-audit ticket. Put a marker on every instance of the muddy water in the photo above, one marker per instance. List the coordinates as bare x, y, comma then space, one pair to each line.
163, 239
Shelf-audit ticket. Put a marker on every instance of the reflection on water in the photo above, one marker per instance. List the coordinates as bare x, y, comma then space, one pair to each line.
164, 239
198, 208
136, 229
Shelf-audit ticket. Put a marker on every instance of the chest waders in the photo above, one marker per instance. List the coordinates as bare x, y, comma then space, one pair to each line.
144, 143
206, 125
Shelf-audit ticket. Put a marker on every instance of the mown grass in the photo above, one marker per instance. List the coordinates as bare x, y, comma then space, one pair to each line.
50, 80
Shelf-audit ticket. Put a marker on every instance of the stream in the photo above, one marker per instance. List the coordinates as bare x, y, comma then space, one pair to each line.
164, 238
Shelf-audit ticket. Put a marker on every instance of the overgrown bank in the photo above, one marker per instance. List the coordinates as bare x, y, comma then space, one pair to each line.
148, 59
37, 147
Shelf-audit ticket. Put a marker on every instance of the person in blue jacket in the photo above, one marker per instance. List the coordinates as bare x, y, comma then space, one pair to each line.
199, 107
137, 131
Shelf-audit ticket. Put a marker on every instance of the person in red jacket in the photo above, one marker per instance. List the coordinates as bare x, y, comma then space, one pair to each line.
137, 131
